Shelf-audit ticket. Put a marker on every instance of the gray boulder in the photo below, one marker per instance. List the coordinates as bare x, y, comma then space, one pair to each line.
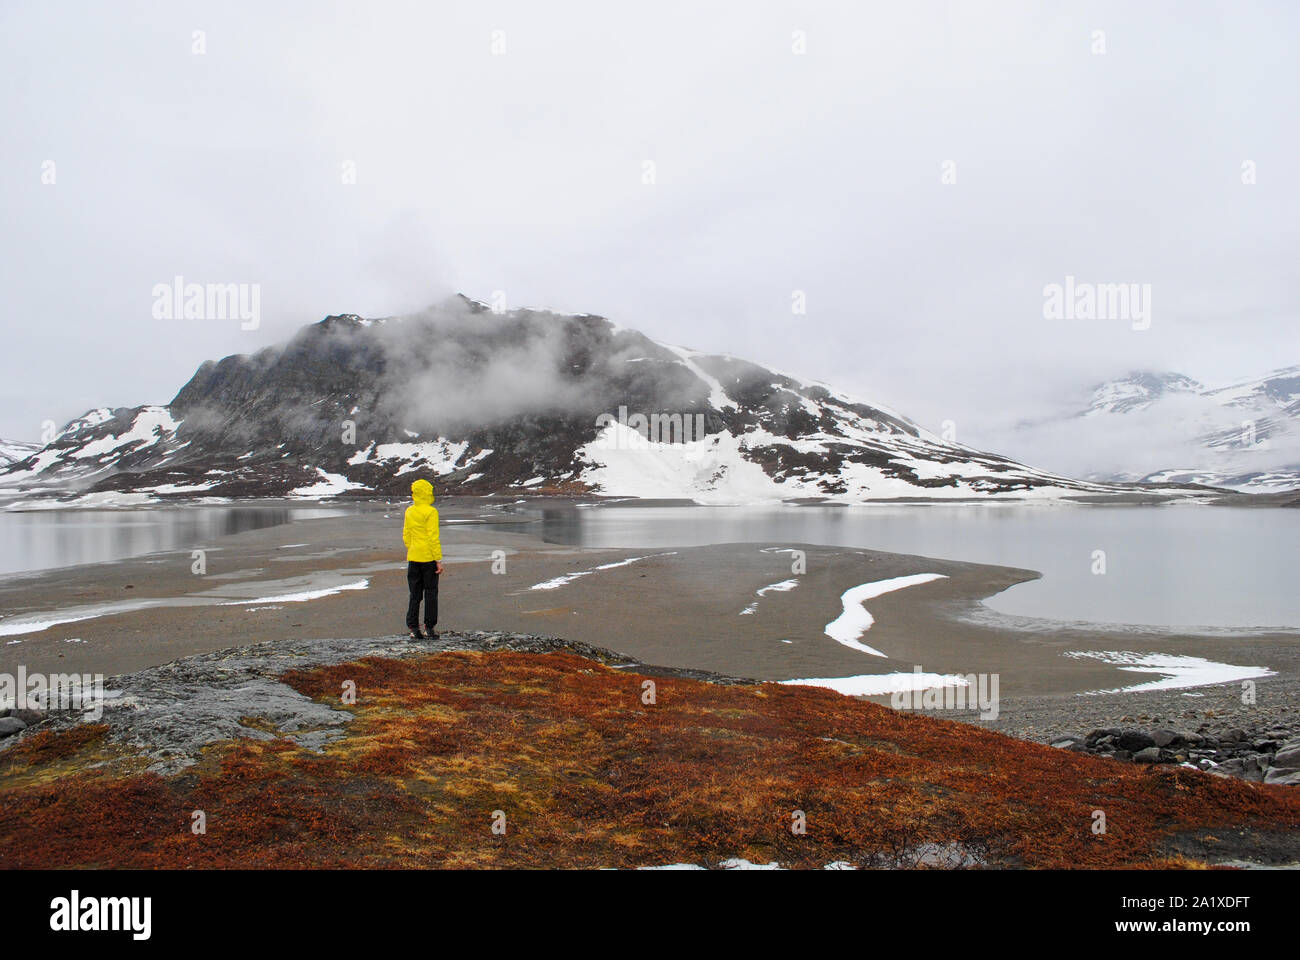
1147, 755
1236, 767
1251, 768
1288, 756
1284, 778
1164, 738
11, 725
1134, 740
1256, 766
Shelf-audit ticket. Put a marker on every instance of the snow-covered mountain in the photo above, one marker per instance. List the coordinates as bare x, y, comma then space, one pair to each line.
12, 451
1164, 427
1138, 391
527, 400
1255, 444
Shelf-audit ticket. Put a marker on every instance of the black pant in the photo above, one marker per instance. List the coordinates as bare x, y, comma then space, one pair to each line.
422, 578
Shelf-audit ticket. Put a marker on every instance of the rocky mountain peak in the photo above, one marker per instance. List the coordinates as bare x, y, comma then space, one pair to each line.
487, 402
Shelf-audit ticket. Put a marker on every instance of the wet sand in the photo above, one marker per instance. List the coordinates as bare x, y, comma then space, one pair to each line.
679, 608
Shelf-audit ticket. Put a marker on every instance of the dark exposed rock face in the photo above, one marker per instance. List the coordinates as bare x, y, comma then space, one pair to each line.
485, 402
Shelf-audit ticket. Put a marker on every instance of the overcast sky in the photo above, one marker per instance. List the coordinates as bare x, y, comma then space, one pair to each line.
503, 146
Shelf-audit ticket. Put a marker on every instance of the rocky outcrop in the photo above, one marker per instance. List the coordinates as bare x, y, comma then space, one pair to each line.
1259, 755
171, 712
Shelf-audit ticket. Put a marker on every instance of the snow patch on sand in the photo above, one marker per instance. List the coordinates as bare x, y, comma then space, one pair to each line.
561, 580
854, 621
781, 587
304, 596
880, 684
1175, 672
15, 627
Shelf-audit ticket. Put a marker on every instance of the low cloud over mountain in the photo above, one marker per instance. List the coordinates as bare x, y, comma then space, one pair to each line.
488, 402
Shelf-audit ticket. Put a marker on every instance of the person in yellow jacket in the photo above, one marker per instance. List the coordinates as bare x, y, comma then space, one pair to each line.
423, 558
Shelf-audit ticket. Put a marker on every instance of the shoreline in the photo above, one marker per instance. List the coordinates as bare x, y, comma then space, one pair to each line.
16, 499
693, 592
677, 607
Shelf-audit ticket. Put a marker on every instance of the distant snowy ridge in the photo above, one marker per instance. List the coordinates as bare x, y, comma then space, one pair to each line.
1137, 391
487, 403
1243, 436
12, 451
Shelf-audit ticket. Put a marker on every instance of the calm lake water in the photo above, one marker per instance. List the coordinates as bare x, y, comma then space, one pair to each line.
1172, 566
1175, 566
44, 539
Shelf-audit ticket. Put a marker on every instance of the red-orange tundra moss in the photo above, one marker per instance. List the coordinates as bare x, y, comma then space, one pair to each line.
563, 752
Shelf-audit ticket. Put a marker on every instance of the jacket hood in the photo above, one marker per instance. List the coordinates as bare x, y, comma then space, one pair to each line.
422, 491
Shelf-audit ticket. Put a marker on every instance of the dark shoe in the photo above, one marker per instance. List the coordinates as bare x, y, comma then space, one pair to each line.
416, 634
433, 634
